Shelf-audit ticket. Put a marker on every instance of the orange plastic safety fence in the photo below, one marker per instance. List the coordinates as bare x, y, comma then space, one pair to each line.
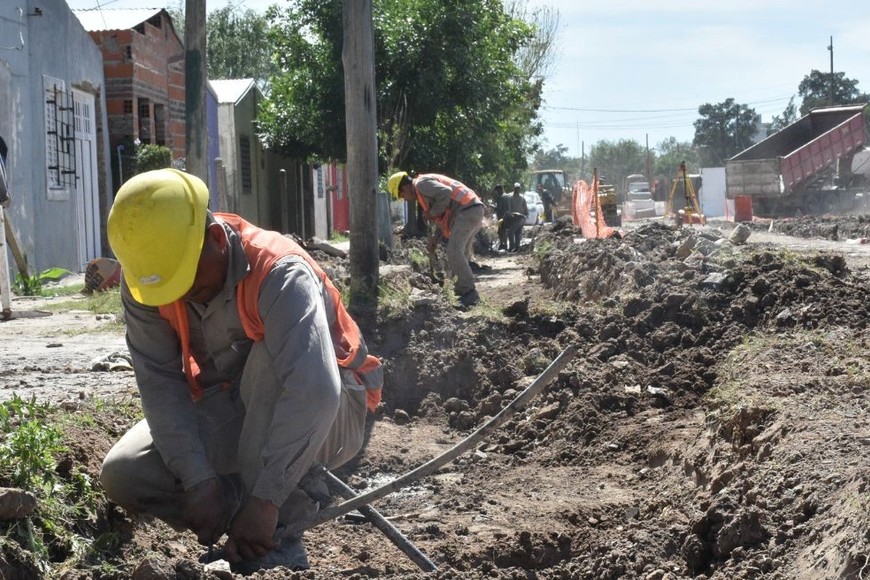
587, 213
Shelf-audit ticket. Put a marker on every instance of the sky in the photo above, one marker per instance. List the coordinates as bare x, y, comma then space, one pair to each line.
639, 69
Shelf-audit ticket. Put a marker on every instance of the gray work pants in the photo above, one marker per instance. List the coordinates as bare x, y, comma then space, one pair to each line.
233, 424
466, 222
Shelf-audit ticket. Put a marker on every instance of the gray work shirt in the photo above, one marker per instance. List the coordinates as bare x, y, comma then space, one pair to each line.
517, 203
438, 196
296, 335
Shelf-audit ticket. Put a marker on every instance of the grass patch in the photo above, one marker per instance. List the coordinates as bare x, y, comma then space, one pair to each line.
419, 260
108, 302
833, 358
394, 298
338, 237
542, 248
730, 394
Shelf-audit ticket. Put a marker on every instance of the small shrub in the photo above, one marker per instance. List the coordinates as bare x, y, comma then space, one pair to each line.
149, 157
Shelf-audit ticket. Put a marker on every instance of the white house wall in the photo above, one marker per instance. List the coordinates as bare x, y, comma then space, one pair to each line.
229, 153
254, 205
54, 45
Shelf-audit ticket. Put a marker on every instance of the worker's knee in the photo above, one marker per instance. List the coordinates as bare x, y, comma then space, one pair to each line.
115, 478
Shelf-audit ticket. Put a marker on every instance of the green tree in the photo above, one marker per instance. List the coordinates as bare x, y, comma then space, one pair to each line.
451, 96
815, 89
238, 45
723, 130
789, 116
670, 153
617, 159
551, 159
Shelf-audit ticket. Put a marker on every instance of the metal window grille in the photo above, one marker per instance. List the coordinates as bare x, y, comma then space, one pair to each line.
60, 137
245, 158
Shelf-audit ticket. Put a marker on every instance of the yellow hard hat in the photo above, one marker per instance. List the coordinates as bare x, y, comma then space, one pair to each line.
394, 181
156, 228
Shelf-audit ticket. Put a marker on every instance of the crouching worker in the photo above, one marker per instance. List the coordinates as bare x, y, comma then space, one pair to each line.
250, 372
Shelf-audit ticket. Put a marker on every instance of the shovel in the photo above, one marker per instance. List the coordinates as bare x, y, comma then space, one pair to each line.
469, 442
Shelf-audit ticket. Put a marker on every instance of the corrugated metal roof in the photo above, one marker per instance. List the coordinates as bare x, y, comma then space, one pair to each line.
231, 90
96, 19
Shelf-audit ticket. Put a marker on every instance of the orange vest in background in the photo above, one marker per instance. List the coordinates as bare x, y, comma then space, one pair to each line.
459, 192
263, 249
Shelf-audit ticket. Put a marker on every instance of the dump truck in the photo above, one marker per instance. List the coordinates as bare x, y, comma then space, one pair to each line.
818, 164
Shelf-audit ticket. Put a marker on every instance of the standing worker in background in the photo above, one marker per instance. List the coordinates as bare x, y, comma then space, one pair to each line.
458, 214
501, 202
515, 218
249, 369
501, 209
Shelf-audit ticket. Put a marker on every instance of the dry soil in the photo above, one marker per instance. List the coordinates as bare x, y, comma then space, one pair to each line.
713, 425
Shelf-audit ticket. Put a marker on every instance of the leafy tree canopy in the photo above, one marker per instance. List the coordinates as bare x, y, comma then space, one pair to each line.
554, 158
670, 153
617, 159
238, 45
815, 91
450, 94
723, 130
788, 116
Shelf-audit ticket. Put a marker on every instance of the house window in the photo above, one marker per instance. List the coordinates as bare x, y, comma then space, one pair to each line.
59, 139
245, 163
159, 124
145, 121
128, 106
128, 53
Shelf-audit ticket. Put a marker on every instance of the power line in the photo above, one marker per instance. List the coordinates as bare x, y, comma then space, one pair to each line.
682, 110
618, 110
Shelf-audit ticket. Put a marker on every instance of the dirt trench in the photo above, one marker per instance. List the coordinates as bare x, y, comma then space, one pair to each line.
714, 424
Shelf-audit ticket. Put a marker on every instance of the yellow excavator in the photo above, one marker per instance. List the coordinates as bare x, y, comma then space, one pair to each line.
691, 213
607, 202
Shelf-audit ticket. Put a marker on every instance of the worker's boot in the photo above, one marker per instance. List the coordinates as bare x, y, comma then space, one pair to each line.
469, 299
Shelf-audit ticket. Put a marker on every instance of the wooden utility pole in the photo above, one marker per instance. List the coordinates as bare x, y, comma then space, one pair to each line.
358, 56
195, 129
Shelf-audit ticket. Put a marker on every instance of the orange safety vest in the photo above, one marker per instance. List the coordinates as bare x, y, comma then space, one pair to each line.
459, 192
263, 249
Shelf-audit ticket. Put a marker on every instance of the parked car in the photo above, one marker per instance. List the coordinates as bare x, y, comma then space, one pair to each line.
536, 208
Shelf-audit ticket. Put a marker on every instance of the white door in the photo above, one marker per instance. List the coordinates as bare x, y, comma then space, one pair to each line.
87, 182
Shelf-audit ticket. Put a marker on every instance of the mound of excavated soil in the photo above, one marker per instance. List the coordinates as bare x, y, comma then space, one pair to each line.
713, 425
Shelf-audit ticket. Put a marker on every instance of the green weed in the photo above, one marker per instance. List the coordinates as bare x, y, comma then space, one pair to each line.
394, 298
338, 237
25, 285
58, 533
108, 302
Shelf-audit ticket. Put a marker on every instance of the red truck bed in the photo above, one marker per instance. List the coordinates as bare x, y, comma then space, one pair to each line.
777, 165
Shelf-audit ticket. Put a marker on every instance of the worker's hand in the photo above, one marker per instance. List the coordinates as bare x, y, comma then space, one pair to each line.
205, 511
252, 531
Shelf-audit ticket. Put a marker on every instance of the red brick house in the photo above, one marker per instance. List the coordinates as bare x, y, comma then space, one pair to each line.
143, 63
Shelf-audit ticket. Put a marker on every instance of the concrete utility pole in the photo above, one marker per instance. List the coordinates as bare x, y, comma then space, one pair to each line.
194, 89
358, 58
